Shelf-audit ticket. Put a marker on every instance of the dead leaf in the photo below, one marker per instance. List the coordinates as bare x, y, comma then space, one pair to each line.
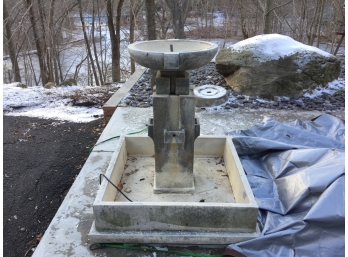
120, 186
39, 237
130, 173
133, 159
26, 253
33, 243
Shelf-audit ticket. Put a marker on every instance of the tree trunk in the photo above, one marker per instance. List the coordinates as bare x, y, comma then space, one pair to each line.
314, 24
179, 11
118, 40
115, 39
40, 53
45, 47
95, 46
242, 21
131, 36
136, 6
109, 13
11, 46
151, 32
101, 46
150, 16
321, 10
89, 52
54, 55
267, 17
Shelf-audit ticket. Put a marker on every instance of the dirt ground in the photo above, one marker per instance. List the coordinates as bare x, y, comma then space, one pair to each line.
41, 161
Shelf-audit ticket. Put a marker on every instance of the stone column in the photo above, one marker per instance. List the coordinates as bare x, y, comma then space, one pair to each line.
173, 130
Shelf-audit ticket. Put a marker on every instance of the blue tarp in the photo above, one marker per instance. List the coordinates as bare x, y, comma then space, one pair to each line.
297, 174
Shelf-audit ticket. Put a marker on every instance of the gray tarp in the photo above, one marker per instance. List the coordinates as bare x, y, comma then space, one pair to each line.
296, 172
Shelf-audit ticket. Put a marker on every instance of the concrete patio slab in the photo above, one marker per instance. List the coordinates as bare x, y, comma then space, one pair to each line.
67, 233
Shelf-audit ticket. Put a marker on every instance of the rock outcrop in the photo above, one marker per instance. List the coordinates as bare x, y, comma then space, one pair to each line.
273, 65
50, 85
69, 82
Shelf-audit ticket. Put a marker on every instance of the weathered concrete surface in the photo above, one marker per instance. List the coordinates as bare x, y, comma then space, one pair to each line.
174, 136
250, 70
182, 238
210, 95
186, 54
67, 233
178, 215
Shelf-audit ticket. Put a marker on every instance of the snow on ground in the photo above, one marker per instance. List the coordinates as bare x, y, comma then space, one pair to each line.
55, 103
331, 88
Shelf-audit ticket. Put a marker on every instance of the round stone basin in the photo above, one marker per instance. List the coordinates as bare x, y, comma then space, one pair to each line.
172, 54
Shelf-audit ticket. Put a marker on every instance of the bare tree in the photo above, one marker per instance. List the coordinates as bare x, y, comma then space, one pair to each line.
135, 8
321, 10
268, 8
40, 50
163, 19
179, 10
151, 32
150, 8
115, 38
89, 52
267, 16
95, 45
10, 44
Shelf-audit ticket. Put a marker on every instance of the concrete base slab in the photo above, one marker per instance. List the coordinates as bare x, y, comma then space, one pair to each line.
222, 201
67, 233
182, 238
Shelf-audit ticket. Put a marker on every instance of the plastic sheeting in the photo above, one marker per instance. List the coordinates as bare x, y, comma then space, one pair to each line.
296, 172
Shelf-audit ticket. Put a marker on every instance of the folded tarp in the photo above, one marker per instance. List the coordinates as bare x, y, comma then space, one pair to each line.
296, 172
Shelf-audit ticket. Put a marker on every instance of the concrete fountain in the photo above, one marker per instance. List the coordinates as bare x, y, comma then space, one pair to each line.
185, 188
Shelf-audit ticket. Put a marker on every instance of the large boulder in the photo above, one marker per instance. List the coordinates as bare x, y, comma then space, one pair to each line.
272, 64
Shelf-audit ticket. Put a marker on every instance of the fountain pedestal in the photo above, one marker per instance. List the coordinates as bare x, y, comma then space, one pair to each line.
173, 130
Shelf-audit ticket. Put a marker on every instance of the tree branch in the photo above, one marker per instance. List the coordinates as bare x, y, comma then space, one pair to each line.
278, 6
262, 5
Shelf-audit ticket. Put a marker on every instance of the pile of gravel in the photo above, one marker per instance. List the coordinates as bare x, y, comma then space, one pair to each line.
330, 99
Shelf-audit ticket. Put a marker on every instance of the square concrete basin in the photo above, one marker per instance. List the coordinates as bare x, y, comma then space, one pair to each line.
222, 210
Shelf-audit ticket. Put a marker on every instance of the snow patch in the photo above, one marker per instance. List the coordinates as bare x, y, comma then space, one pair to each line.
53, 103
331, 88
274, 46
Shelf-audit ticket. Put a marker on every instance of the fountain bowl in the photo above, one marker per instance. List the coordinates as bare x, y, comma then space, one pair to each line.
185, 54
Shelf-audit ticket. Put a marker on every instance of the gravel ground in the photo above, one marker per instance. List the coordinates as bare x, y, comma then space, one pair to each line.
141, 95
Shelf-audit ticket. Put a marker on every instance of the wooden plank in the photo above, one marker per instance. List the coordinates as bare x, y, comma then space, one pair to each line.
110, 106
